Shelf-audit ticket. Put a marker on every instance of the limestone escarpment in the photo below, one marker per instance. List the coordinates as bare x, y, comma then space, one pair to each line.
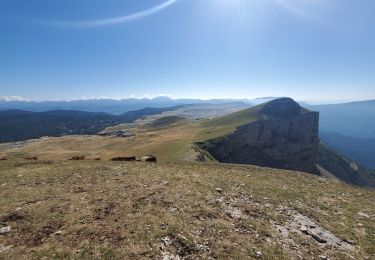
285, 136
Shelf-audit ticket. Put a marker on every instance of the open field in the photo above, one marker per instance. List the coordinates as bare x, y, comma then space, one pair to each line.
108, 210
177, 139
170, 143
169, 138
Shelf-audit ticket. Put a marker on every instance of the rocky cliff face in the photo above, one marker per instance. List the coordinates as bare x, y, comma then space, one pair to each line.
285, 136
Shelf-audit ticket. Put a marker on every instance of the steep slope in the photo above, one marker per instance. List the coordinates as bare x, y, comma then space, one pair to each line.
361, 150
278, 134
335, 164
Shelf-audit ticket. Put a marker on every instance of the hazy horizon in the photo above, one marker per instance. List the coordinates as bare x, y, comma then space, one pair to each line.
152, 97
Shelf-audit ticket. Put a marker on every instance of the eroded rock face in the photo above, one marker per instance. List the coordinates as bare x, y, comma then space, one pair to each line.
286, 138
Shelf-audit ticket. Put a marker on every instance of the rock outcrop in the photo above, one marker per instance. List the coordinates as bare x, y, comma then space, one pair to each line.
285, 136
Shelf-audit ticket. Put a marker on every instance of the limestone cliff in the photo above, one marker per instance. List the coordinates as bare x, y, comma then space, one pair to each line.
284, 136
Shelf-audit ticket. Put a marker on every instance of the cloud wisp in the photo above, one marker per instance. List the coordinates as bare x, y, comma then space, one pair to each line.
12, 98
104, 22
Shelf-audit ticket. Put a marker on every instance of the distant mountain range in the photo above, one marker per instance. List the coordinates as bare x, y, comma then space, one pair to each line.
18, 125
355, 119
110, 106
349, 127
277, 134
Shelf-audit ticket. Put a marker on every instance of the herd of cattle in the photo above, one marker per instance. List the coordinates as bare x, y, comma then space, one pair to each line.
147, 158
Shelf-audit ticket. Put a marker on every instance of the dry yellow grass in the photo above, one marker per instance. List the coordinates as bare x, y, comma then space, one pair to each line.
172, 144
105, 210
108, 210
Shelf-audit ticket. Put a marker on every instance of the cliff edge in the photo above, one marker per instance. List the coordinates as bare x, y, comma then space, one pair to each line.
284, 135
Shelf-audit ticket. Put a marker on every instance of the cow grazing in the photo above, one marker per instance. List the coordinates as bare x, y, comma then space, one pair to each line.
3, 158
149, 158
78, 158
31, 158
124, 159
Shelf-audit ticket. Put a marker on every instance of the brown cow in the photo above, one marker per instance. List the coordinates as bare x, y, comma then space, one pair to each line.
78, 158
124, 159
3, 158
149, 158
97, 159
31, 158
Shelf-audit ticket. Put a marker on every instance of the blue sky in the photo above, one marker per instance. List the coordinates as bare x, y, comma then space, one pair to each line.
319, 50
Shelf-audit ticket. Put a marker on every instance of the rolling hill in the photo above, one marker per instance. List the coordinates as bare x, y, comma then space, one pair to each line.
287, 140
18, 125
178, 208
166, 121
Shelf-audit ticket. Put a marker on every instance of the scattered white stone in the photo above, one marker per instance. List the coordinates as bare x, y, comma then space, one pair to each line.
58, 232
5, 248
363, 215
166, 241
163, 226
323, 257
234, 213
258, 254
220, 190
5, 230
283, 230
304, 229
170, 256
359, 225
352, 242
304, 224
